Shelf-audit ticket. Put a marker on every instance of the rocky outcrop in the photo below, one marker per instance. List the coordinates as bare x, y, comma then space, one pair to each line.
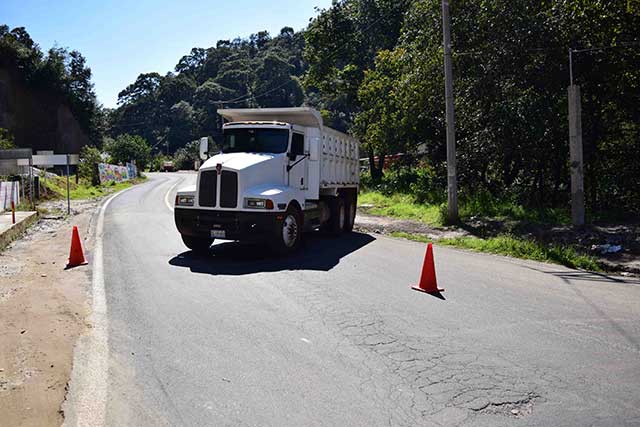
38, 119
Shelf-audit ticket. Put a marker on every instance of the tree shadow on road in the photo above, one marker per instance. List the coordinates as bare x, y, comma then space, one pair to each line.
578, 275
318, 253
571, 277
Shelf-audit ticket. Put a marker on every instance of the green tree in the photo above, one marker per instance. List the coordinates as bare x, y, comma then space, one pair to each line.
257, 71
61, 73
274, 79
88, 168
182, 125
126, 148
6, 140
379, 123
186, 156
342, 43
511, 74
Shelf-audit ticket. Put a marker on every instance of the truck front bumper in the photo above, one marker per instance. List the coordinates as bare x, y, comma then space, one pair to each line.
245, 226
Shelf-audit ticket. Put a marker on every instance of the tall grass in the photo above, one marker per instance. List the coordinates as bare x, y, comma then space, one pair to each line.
517, 248
57, 188
401, 206
480, 204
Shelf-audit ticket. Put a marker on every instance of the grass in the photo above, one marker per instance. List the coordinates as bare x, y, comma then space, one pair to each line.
401, 206
57, 188
518, 248
484, 205
404, 206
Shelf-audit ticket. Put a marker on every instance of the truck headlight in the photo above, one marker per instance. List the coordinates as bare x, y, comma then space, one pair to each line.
258, 204
184, 200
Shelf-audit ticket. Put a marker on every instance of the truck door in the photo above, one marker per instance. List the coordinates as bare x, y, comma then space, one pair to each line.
298, 175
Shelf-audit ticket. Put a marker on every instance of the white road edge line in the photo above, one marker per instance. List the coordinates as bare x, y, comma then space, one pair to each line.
86, 401
166, 197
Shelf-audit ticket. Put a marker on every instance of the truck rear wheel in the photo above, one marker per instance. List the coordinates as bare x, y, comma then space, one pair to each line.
338, 217
197, 244
288, 232
351, 205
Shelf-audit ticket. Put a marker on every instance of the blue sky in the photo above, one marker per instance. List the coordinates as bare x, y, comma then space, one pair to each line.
122, 39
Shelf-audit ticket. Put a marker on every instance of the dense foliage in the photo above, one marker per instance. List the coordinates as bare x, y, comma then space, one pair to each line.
375, 68
6, 140
88, 167
126, 148
186, 157
172, 110
59, 71
510, 75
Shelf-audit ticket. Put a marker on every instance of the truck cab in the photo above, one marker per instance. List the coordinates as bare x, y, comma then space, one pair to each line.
279, 172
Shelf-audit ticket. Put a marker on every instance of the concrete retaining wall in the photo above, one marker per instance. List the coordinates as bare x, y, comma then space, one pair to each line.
23, 221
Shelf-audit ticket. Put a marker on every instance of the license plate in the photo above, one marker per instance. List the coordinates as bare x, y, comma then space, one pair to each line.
218, 234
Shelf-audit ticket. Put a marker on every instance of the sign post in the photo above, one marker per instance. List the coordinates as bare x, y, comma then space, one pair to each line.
68, 191
57, 160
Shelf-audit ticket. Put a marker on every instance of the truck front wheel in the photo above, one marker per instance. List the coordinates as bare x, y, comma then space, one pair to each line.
197, 244
288, 233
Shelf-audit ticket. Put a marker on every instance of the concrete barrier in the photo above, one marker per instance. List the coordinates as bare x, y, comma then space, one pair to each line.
10, 232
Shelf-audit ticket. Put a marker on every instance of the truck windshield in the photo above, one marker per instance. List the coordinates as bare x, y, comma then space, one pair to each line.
255, 141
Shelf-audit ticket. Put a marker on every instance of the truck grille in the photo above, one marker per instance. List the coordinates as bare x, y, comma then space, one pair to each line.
228, 189
208, 188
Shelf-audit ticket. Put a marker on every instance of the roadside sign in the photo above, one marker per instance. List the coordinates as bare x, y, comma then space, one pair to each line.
55, 159
49, 159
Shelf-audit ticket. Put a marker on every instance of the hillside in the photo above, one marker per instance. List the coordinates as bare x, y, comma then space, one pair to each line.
46, 100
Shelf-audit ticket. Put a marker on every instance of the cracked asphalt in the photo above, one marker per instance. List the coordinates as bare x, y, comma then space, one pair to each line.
334, 336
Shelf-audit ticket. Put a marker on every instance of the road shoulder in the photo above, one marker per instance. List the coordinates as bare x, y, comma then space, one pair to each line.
42, 313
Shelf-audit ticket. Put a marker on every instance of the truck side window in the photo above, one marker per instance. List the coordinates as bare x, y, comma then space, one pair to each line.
297, 144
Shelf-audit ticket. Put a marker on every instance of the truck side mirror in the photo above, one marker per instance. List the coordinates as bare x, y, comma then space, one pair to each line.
204, 148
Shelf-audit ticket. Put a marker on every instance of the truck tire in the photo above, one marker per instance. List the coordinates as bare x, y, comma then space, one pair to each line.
198, 245
351, 205
288, 233
337, 220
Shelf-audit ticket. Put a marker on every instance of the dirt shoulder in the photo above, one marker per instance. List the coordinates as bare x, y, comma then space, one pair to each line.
616, 247
42, 313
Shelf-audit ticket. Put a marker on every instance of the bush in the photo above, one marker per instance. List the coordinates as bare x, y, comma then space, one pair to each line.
482, 203
88, 167
419, 182
186, 156
126, 148
156, 162
6, 140
425, 189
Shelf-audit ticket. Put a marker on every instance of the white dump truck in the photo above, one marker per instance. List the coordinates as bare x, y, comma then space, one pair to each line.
279, 172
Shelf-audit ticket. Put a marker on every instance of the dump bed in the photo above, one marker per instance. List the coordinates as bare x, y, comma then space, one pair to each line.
339, 164
334, 165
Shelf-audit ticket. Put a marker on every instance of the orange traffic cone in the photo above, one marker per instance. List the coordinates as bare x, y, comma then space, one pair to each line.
76, 256
428, 282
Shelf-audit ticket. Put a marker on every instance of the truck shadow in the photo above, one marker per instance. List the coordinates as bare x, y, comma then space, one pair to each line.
319, 252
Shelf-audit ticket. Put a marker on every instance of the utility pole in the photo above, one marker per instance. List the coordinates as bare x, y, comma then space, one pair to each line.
575, 150
452, 177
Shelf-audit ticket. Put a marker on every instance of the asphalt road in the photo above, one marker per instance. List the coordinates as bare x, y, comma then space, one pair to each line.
334, 336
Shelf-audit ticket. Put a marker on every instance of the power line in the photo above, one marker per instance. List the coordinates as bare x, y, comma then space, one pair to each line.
248, 96
331, 57
618, 46
557, 49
